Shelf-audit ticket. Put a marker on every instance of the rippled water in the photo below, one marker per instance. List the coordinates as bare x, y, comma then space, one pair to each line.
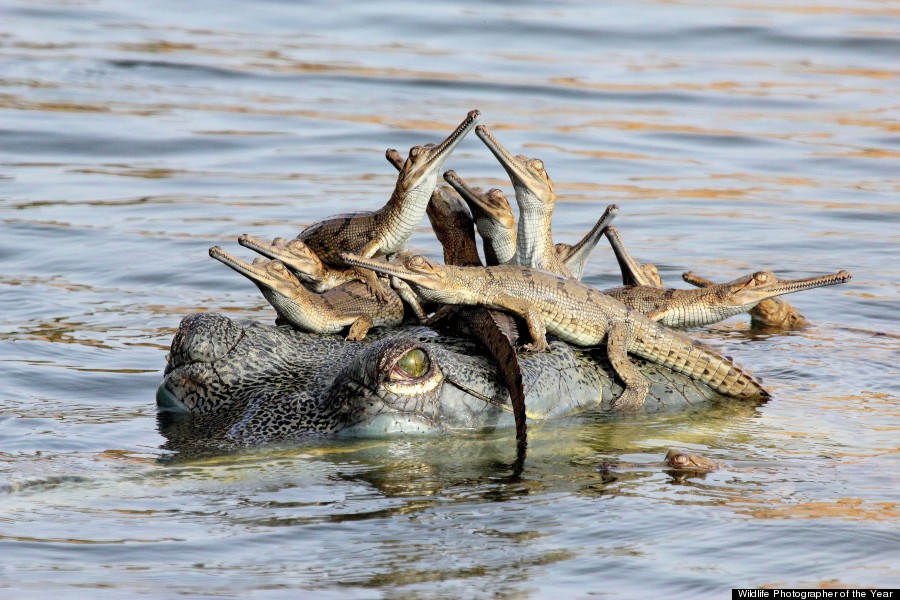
735, 136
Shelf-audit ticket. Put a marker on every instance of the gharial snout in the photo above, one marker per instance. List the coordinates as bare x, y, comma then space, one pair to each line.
191, 377
203, 338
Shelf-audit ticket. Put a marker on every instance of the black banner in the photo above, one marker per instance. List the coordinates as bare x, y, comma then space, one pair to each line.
812, 594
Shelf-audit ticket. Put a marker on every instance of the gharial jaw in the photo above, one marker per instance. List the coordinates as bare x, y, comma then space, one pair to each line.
528, 175
492, 203
432, 281
762, 285
267, 275
493, 217
395, 222
293, 253
424, 162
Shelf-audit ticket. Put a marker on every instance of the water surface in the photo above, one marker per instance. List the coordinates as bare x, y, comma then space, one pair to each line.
734, 136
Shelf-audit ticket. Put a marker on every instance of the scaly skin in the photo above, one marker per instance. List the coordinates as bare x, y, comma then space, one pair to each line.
453, 226
705, 306
496, 330
770, 313
387, 230
493, 218
575, 313
302, 261
349, 305
575, 257
536, 199
230, 383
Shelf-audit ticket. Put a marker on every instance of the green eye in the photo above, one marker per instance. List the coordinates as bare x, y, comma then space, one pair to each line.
414, 363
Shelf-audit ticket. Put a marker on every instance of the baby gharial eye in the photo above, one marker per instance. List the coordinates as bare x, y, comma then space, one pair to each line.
536, 164
415, 151
762, 277
417, 261
412, 365
496, 196
679, 460
298, 247
277, 267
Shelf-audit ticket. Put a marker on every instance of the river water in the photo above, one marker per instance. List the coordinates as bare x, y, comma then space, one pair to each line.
734, 135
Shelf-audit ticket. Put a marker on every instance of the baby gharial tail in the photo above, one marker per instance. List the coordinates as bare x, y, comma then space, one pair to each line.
684, 355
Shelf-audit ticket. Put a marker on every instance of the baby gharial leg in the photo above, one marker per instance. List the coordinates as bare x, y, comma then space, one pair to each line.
619, 338
537, 328
359, 328
375, 285
407, 294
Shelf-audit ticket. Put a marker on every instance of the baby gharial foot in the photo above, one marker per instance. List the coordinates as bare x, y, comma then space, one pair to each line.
538, 346
631, 399
408, 296
379, 288
637, 387
359, 329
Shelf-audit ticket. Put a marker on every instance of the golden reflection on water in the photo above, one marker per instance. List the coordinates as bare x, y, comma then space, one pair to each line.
841, 508
793, 112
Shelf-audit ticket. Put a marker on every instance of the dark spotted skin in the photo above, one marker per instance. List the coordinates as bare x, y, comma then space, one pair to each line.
231, 384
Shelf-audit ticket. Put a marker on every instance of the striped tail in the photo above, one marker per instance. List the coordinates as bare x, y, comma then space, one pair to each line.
683, 355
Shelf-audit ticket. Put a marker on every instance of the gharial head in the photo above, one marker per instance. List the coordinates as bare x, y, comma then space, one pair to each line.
652, 274
754, 288
296, 255
236, 383
453, 225
491, 205
425, 162
445, 204
526, 174
266, 274
413, 268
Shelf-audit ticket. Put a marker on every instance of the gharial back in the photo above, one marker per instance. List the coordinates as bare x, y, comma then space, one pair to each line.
339, 233
355, 298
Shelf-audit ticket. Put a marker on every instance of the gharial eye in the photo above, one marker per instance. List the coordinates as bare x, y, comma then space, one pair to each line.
679, 460
537, 164
413, 364
415, 151
761, 277
297, 247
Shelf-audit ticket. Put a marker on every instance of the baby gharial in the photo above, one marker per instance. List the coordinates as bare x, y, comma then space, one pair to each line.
350, 305
575, 313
